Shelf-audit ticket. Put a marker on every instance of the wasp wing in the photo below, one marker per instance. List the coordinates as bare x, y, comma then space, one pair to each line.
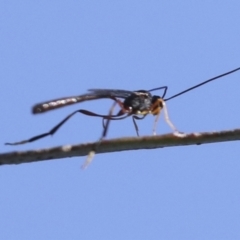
111, 93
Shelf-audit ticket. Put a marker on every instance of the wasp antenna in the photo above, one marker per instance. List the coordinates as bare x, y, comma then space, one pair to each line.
164, 93
200, 84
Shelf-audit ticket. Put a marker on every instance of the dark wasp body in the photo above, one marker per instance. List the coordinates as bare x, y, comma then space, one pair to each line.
137, 104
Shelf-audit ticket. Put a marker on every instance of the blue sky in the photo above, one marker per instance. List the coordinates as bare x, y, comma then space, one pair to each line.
52, 49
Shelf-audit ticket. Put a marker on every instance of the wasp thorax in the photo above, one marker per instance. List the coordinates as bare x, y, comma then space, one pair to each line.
139, 101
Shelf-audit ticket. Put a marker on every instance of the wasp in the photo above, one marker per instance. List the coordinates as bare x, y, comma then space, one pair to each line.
135, 104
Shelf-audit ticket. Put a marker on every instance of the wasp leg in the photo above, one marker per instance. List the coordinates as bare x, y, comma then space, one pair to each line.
167, 119
51, 132
92, 153
56, 128
134, 118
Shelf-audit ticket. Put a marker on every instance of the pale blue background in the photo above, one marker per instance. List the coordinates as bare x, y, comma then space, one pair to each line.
50, 49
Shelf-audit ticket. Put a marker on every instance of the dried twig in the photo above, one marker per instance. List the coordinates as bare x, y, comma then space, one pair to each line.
119, 144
